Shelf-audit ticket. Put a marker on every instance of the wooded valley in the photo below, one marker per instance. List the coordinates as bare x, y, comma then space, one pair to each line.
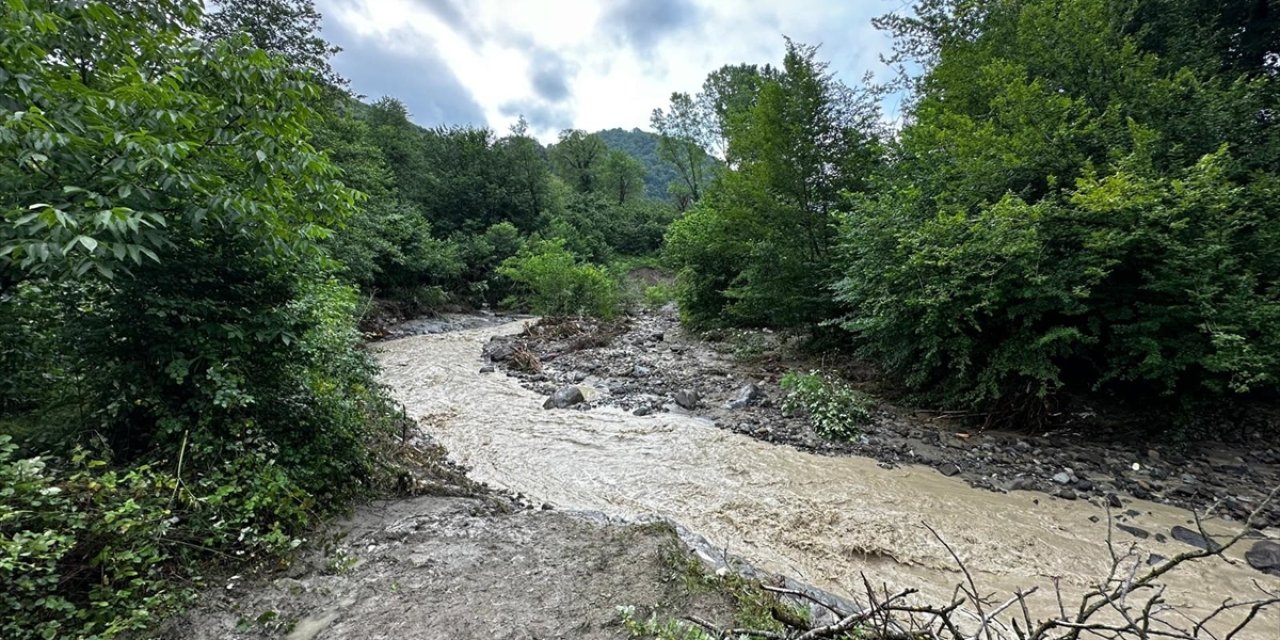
1078, 200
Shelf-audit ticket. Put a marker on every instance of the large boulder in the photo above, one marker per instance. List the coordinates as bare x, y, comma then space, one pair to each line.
1265, 557
688, 398
499, 348
564, 398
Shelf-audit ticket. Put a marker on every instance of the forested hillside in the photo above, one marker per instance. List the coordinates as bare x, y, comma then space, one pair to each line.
1081, 202
643, 146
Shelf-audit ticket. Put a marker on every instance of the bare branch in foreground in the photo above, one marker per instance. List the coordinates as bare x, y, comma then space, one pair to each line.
1127, 604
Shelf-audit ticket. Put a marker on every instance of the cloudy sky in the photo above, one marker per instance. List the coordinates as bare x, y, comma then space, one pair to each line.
588, 64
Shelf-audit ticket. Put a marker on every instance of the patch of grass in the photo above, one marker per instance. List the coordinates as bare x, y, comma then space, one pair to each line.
659, 295
753, 607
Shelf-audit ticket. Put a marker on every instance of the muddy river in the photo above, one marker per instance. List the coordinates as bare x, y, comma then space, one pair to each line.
821, 519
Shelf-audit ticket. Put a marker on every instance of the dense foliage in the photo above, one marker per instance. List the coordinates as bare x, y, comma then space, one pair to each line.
1084, 199
192, 210
757, 247
550, 280
189, 386
659, 176
1081, 198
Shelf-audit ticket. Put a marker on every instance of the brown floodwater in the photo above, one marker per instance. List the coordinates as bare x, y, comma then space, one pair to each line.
823, 520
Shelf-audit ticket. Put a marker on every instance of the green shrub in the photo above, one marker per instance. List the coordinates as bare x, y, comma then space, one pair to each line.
173, 312
90, 551
1148, 284
707, 252
836, 411
549, 280
659, 295
82, 553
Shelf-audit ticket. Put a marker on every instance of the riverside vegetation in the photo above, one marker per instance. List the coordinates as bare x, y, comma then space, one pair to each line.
1078, 201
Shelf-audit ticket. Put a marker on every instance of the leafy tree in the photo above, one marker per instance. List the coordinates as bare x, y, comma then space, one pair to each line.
757, 250
622, 177
290, 28
120, 160
531, 171
643, 146
685, 136
728, 94
160, 236
1077, 203
578, 157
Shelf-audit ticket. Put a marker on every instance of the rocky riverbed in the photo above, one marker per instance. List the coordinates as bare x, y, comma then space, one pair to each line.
649, 364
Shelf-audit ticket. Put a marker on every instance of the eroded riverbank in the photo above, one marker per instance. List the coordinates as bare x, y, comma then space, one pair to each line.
822, 519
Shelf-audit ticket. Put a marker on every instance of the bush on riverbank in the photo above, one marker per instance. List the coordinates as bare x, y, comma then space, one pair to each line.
551, 281
836, 411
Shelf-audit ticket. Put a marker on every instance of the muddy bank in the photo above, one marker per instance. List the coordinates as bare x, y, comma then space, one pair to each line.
643, 364
447, 568
821, 518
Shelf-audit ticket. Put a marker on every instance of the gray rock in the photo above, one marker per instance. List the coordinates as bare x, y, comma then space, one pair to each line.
1187, 536
1062, 477
488, 368
745, 397
687, 398
564, 397
640, 371
1113, 501
1265, 556
949, 469
498, 349
1065, 493
643, 411
1141, 534
1155, 559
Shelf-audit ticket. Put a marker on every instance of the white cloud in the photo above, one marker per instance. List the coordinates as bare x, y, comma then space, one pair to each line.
593, 63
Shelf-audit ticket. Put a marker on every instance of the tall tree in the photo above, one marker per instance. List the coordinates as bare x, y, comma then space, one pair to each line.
531, 171
757, 249
686, 133
728, 95
622, 177
578, 157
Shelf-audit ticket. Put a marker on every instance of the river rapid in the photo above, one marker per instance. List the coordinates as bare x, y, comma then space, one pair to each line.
823, 520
